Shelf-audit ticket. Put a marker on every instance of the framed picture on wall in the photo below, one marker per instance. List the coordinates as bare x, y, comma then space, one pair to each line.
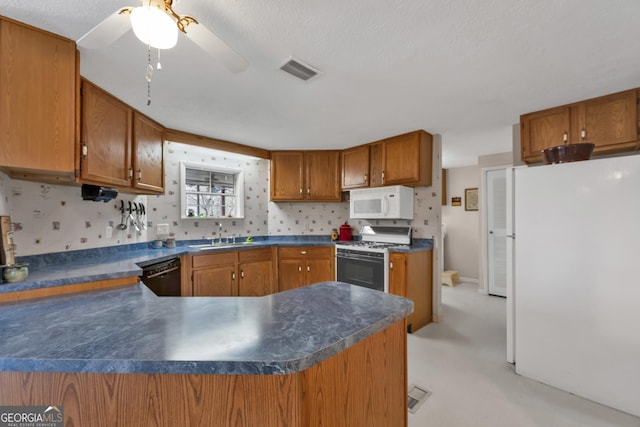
470, 199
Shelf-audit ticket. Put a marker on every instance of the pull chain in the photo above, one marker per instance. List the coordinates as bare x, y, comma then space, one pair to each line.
149, 74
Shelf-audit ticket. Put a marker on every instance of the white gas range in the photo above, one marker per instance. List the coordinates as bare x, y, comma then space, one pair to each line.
366, 262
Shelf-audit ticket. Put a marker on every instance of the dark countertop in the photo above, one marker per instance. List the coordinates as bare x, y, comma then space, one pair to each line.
115, 262
130, 330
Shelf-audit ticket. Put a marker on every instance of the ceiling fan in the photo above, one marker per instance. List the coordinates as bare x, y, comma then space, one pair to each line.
157, 25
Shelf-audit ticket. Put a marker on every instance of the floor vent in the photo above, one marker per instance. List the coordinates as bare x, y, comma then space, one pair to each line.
299, 69
417, 396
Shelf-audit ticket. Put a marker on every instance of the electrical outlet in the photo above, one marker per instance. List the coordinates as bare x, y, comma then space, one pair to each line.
108, 232
162, 229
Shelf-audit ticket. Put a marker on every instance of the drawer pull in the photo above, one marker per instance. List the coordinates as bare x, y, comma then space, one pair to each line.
303, 252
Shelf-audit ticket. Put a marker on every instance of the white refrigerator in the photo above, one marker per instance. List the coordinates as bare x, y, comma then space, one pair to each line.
577, 278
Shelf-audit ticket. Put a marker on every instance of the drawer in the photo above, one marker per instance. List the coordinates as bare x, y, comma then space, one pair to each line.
298, 252
253, 255
214, 259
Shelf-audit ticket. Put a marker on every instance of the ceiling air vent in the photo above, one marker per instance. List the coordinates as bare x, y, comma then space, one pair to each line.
299, 69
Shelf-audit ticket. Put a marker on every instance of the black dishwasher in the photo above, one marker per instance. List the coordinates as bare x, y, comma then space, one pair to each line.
163, 278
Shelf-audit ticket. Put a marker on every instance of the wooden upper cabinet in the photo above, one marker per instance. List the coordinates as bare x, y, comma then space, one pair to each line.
407, 159
376, 164
105, 138
322, 175
148, 164
287, 175
606, 121
543, 129
119, 146
38, 79
355, 167
305, 176
610, 122
402, 160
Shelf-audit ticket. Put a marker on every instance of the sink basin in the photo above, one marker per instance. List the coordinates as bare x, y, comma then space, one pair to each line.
567, 153
208, 246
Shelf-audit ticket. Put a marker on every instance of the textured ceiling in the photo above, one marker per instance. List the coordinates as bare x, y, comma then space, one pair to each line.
464, 69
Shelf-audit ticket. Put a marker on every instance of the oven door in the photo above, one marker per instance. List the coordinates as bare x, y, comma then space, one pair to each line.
367, 269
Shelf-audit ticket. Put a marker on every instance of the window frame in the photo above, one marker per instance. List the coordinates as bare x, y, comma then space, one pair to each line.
239, 189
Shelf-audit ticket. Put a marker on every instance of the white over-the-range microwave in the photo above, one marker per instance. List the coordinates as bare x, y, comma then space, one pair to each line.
394, 202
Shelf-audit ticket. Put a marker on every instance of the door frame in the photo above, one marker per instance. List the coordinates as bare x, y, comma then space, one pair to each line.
483, 286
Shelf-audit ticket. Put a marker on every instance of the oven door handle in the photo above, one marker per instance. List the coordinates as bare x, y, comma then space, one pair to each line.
362, 257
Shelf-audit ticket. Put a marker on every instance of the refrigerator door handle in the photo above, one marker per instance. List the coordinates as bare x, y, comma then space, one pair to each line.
512, 236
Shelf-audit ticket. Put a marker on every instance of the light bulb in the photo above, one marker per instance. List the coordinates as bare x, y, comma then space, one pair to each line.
154, 27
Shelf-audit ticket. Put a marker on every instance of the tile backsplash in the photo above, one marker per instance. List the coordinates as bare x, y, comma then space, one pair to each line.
54, 218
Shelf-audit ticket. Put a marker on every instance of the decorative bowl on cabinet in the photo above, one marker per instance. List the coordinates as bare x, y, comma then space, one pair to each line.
568, 153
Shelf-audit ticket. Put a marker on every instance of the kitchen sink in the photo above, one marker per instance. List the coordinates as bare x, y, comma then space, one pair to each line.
208, 246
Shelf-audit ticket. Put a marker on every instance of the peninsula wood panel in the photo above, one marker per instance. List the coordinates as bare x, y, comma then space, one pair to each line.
38, 103
363, 386
67, 289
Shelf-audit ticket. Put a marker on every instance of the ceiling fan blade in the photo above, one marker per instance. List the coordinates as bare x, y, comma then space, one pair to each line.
108, 31
215, 47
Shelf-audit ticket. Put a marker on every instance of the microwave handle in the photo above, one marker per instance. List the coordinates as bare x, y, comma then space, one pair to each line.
385, 205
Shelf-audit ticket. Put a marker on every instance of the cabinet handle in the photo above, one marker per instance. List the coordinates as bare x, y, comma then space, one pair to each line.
299, 269
383, 177
139, 175
583, 133
391, 265
233, 275
565, 137
301, 191
303, 252
308, 268
130, 170
242, 274
308, 190
85, 150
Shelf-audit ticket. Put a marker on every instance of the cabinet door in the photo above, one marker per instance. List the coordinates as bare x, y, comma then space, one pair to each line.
256, 279
106, 133
397, 274
291, 274
215, 282
355, 167
147, 153
610, 120
323, 175
376, 159
541, 130
38, 101
320, 270
287, 178
402, 155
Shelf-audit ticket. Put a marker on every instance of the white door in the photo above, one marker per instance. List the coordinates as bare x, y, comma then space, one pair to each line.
496, 180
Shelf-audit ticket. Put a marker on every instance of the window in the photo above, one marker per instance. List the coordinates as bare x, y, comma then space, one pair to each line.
211, 191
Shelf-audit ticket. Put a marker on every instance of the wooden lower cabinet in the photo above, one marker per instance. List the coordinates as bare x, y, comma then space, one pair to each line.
363, 386
256, 271
249, 272
304, 265
410, 275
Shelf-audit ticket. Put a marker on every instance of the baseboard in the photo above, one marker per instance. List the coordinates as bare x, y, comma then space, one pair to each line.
469, 280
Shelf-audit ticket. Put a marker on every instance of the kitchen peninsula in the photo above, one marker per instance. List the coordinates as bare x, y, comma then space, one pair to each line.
327, 354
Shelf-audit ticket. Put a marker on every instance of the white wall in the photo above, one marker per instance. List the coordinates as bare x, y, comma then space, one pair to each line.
462, 243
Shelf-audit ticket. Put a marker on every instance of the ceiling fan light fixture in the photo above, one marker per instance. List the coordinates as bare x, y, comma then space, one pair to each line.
154, 27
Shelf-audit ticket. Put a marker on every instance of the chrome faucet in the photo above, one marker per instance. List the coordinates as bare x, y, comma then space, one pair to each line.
220, 234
